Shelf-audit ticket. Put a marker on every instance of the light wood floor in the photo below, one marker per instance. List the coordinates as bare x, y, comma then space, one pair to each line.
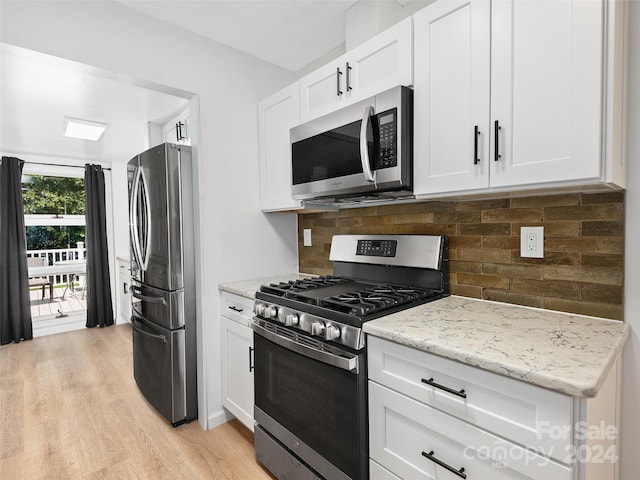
70, 409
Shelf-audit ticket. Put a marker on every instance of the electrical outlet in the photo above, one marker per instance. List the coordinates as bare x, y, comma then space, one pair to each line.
306, 237
532, 242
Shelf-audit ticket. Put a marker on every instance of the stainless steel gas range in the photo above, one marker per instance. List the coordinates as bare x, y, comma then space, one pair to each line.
310, 372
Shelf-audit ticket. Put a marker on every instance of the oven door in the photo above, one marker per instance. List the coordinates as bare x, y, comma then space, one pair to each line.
312, 399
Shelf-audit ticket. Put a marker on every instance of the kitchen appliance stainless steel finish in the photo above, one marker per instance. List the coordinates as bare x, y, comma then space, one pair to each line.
310, 353
364, 148
163, 279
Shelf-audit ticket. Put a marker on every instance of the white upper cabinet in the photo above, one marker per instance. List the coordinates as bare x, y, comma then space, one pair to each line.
383, 62
276, 115
178, 129
451, 96
515, 94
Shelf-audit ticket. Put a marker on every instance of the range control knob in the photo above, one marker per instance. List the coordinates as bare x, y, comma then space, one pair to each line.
331, 332
317, 329
258, 309
271, 312
291, 319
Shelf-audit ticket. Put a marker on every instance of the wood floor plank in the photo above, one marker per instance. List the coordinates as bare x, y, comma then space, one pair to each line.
70, 409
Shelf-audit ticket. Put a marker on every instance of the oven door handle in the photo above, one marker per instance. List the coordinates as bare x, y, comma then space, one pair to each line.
349, 364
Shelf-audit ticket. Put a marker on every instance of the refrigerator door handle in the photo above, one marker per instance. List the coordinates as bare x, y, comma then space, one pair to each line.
146, 298
140, 189
133, 218
152, 335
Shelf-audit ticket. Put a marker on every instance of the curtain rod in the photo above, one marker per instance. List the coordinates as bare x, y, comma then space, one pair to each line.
62, 165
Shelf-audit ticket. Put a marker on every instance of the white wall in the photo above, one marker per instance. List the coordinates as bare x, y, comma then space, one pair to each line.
630, 441
234, 234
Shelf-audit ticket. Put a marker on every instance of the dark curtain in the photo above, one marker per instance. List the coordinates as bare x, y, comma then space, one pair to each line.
99, 307
15, 308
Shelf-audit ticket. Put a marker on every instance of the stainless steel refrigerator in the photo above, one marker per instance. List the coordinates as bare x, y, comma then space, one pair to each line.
163, 280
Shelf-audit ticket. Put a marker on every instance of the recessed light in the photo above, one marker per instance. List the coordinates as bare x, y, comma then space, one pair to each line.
83, 129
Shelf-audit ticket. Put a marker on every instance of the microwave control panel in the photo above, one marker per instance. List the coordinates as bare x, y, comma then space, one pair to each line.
387, 125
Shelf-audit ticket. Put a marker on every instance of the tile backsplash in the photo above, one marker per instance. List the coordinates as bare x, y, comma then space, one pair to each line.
581, 272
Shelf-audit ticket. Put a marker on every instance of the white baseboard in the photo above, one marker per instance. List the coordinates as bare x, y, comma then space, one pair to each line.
218, 418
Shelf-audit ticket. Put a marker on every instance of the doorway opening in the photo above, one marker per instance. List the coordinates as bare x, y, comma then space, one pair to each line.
54, 209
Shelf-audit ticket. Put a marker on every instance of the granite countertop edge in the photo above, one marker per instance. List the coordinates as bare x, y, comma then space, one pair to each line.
572, 354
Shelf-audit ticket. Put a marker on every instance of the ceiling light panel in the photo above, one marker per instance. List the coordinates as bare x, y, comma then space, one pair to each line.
83, 129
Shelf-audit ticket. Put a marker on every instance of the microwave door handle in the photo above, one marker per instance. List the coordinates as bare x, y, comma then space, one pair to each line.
364, 148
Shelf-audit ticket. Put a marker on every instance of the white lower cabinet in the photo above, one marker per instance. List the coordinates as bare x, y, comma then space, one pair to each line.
434, 418
237, 357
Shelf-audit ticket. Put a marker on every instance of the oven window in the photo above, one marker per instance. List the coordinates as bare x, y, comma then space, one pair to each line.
322, 405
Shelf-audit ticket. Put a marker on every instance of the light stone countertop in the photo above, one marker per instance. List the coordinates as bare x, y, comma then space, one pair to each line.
568, 353
248, 288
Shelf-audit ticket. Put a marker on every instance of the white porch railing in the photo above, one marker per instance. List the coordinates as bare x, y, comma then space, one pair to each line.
56, 255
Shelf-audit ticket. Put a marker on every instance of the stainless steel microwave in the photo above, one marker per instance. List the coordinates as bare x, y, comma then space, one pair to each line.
363, 149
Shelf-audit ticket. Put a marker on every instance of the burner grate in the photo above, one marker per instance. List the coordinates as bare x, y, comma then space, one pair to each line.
375, 299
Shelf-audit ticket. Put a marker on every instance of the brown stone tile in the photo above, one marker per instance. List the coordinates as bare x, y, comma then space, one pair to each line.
602, 293
604, 197
485, 229
504, 242
550, 258
513, 271
456, 266
465, 290
546, 201
422, 217
511, 297
600, 245
603, 229
512, 215
483, 204
605, 310
491, 281
453, 254
324, 222
379, 220
601, 276
467, 241
585, 212
348, 221
542, 288
471, 216
606, 261
495, 255
420, 207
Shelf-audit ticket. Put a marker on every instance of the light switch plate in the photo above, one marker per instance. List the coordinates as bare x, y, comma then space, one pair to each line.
532, 242
306, 237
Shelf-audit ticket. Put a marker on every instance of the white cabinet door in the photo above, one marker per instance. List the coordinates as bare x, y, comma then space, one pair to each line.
237, 370
546, 91
124, 294
323, 90
451, 96
177, 129
276, 115
381, 63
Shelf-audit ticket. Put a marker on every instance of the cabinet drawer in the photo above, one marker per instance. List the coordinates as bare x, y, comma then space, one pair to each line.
237, 308
403, 431
532, 416
376, 472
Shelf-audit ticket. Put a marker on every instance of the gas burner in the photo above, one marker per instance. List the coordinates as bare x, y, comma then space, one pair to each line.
289, 289
375, 299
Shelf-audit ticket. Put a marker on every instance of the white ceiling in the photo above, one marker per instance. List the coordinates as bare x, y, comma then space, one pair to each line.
38, 90
288, 33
